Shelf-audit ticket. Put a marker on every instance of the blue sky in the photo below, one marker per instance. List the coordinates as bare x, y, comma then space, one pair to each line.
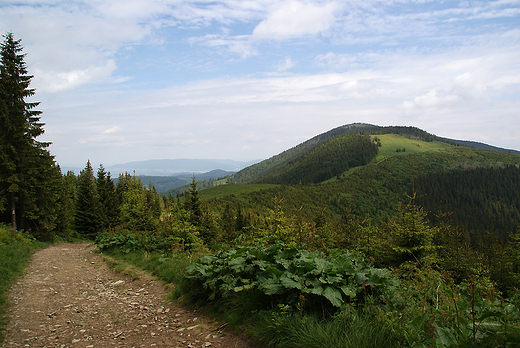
130, 80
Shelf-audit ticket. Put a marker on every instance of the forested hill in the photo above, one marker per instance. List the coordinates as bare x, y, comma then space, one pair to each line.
326, 160
367, 170
259, 169
285, 167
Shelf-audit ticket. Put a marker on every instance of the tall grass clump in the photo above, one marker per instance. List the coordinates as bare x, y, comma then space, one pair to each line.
15, 252
350, 328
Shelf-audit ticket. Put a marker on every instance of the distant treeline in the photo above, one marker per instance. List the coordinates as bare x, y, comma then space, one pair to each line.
481, 199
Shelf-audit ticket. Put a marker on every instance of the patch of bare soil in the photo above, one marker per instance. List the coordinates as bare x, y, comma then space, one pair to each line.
69, 297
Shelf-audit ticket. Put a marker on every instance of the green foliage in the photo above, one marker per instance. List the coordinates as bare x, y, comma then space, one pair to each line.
140, 207
324, 161
432, 310
109, 213
66, 204
176, 226
479, 198
127, 241
295, 277
87, 216
413, 237
192, 203
350, 328
29, 177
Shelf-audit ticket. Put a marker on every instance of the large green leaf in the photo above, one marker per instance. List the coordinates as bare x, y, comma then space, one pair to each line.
334, 296
291, 281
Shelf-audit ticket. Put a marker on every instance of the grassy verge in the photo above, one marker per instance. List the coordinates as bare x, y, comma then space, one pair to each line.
15, 253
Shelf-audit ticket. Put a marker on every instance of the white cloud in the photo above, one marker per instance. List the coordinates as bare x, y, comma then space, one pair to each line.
294, 19
435, 65
432, 99
286, 64
111, 130
60, 81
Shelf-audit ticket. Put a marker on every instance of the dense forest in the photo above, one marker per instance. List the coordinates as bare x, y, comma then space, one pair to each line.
324, 161
480, 199
365, 227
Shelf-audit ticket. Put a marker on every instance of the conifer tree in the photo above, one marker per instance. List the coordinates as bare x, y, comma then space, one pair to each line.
87, 216
28, 173
66, 203
108, 200
192, 203
413, 238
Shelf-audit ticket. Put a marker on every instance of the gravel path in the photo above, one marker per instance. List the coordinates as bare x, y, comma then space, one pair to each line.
69, 297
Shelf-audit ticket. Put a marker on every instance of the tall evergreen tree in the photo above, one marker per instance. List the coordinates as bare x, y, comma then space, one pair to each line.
28, 173
192, 203
108, 199
87, 216
67, 202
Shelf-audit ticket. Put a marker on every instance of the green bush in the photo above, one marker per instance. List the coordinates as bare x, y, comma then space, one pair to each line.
289, 276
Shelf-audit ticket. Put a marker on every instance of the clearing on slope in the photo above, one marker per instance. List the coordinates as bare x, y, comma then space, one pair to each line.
393, 144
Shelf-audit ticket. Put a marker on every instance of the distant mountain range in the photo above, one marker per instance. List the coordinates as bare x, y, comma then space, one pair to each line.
172, 167
168, 174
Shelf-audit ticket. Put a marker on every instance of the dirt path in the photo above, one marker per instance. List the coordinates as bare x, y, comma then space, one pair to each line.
69, 297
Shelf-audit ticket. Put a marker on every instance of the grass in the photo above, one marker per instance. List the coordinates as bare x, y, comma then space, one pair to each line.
391, 142
15, 254
351, 328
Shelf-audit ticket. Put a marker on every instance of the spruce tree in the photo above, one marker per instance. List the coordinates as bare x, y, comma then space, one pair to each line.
87, 216
192, 203
28, 173
67, 202
108, 199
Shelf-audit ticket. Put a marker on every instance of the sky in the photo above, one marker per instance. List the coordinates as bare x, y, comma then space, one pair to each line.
130, 80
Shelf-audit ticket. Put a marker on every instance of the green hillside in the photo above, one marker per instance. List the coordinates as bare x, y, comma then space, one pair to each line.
304, 160
259, 169
394, 144
326, 160
372, 190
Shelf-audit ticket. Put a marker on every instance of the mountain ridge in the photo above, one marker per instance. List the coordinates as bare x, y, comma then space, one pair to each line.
171, 167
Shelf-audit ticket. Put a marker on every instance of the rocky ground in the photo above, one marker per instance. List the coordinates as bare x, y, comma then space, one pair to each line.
69, 297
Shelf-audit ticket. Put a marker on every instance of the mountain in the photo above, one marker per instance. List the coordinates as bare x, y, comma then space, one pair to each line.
258, 170
175, 166
171, 167
165, 183
325, 179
